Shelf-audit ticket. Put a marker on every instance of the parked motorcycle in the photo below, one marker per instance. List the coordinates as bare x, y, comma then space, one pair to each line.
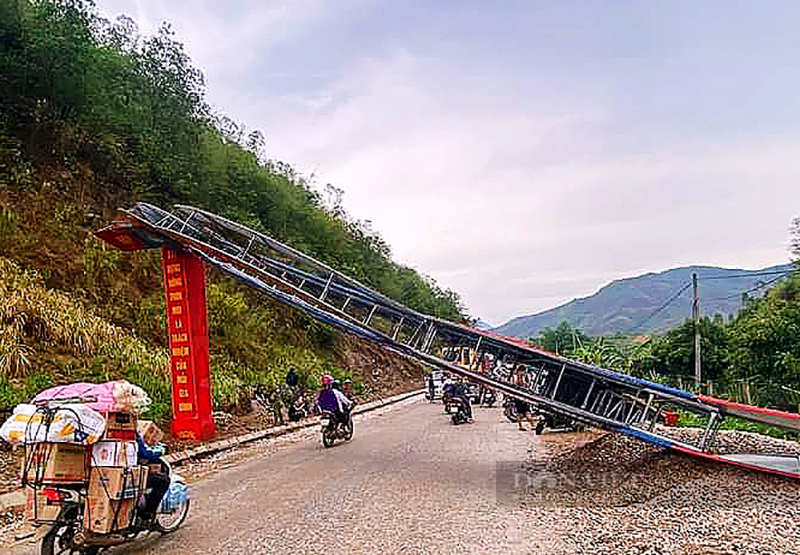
299, 409
556, 422
66, 533
333, 429
474, 393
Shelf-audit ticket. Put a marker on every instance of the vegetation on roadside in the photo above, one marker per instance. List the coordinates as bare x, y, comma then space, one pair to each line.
95, 116
47, 336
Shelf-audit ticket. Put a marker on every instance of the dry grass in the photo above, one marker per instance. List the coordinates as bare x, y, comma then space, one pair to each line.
31, 314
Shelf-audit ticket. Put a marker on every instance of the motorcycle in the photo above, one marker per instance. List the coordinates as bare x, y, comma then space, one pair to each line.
299, 409
474, 393
66, 534
510, 408
489, 397
556, 423
458, 409
333, 429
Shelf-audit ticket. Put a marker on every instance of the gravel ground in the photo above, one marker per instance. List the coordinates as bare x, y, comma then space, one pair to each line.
619, 495
9, 467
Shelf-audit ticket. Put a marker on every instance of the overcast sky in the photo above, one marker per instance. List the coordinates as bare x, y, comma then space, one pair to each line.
522, 153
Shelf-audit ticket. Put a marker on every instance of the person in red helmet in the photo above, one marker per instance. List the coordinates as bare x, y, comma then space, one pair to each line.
332, 400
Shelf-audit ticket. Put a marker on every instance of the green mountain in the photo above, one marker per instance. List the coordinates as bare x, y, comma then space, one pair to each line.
632, 305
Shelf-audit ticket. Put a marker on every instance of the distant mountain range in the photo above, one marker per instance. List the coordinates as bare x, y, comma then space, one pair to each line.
629, 305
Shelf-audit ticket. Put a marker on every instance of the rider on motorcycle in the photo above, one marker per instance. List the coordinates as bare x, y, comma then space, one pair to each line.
461, 392
334, 401
349, 392
157, 482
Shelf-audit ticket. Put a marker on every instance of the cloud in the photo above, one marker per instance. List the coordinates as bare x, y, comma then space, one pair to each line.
503, 206
526, 156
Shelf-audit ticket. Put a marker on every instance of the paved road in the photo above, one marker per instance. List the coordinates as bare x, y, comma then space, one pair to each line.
408, 482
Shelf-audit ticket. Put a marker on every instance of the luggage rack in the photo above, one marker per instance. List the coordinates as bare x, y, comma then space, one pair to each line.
587, 394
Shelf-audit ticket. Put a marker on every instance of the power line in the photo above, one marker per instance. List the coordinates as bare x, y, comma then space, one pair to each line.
751, 274
756, 288
663, 306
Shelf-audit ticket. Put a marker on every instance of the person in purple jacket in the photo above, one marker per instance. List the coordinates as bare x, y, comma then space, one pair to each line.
332, 400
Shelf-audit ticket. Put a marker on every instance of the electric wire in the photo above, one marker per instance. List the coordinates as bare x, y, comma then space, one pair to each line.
751, 274
756, 288
672, 299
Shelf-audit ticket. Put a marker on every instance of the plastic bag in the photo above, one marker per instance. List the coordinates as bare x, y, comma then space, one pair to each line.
60, 424
130, 398
176, 495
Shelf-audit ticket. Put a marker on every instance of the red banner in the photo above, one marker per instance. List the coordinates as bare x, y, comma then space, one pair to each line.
187, 318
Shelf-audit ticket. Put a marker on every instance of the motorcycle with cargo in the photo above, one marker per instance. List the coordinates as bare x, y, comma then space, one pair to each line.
88, 486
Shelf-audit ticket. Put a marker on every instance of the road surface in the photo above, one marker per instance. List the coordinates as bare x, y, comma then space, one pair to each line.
408, 482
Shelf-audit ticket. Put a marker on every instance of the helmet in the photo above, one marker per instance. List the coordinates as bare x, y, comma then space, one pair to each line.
327, 379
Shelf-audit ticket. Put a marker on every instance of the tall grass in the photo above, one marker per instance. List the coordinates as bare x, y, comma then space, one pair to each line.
32, 314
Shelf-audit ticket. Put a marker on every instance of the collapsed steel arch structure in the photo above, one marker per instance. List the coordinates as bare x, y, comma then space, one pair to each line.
581, 392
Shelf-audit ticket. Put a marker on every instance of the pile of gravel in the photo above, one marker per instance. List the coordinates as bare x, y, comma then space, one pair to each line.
620, 495
735, 441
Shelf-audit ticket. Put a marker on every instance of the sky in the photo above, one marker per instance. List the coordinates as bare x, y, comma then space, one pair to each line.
522, 153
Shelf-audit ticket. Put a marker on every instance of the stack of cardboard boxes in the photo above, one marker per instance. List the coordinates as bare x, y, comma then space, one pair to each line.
116, 482
109, 469
55, 463
51, 464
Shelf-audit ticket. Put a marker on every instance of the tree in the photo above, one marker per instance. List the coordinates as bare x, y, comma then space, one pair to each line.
673, 353
563, 340
765, 337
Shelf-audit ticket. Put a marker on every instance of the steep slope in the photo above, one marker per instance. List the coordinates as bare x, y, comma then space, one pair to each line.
95, 116
627, 305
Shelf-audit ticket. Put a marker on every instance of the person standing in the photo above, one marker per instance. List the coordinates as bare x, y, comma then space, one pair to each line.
291, 378
522, 407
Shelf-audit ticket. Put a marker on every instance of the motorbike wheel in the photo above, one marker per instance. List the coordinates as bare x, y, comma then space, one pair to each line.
511, 413
327, 438
540, 427
348, 430
59, 539
166, 523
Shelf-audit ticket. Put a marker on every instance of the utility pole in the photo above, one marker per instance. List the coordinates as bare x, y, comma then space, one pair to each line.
696, 317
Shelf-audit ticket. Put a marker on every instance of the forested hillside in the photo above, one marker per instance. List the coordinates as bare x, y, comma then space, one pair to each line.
94, 116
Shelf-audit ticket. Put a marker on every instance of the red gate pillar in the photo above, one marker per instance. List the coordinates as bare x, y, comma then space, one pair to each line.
187, 317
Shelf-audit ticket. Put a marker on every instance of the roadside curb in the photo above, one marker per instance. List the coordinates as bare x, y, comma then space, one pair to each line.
16, 499
276, 431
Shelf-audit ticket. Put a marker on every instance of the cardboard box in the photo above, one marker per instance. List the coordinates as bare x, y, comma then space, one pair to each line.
120, 426
151, 434
104, 515
115, 453
120, 421
112, 496
48, 463
37, 506
117, 482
